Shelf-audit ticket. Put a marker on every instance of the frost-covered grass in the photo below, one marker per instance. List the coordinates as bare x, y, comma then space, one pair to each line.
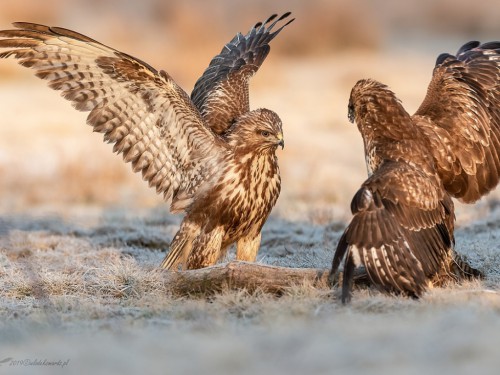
89, 290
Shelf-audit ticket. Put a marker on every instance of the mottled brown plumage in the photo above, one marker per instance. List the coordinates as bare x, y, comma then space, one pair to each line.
221, 93
210, 155
403, 215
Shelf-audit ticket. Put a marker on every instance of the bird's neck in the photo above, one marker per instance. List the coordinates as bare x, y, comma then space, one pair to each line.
259, 159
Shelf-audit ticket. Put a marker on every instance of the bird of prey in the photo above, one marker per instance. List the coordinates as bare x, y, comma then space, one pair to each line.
209, 154
403, 214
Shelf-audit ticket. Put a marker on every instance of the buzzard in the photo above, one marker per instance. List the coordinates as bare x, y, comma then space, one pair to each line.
403, 214
209, 154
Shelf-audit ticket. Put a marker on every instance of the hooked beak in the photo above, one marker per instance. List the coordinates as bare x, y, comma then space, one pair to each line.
281, 141
350, 113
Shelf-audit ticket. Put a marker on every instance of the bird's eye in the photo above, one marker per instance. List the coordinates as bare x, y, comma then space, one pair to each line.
264, 133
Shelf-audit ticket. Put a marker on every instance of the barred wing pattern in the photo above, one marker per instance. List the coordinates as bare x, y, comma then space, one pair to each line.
461, 118
144, 113
221, 93
402, 227
400, 237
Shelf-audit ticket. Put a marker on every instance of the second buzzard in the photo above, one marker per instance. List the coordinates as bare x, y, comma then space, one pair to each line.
403, 223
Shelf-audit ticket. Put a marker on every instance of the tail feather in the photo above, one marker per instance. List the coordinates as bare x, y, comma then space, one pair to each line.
456, 269
180, 247
462, 269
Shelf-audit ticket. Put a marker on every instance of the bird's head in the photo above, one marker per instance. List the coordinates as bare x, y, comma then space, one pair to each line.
373, 104
364, 91
258, 130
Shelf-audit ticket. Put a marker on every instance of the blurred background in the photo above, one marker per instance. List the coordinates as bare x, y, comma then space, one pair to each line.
50, 160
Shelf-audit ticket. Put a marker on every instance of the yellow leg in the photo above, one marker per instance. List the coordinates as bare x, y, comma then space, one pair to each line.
247, 248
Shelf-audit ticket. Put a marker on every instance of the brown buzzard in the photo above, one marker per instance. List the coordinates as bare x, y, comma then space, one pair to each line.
402, 228
209, 154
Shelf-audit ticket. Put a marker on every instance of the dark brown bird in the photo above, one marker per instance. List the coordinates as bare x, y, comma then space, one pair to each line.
209, 154
403, 223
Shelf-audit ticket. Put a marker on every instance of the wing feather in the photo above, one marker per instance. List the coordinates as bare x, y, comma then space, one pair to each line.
221, 93
461, 118
150, 120
401, 238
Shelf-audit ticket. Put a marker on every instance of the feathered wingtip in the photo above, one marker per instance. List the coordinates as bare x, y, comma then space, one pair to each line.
468, 46
259, 34
264, 27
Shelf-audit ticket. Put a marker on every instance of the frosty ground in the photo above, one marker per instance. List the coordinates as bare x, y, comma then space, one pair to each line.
87, 288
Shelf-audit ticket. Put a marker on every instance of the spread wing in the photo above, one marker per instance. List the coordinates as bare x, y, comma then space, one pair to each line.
221, 93
401, 231
144, 113
461, 118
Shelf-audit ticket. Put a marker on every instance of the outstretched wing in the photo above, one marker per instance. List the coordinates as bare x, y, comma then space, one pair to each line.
144, 113
221, 93
401, 231
461, 118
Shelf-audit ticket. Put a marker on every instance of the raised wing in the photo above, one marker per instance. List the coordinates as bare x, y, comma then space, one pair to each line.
144, 113
401, 231
221, 93
461, 118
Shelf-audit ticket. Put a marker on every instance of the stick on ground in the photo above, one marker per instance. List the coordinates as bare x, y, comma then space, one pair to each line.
250, 276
